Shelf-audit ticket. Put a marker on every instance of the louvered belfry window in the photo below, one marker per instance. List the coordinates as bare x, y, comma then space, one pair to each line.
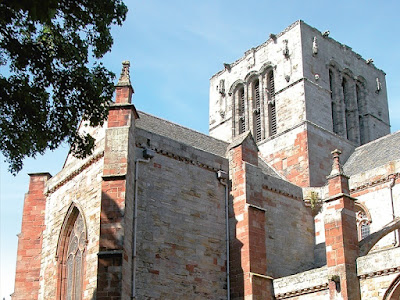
74, 263
271, 103
333, 104
242, 118
257, 111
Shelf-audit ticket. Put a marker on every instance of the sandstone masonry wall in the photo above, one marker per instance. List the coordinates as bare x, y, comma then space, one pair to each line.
181, 222
377, 271
83, 189
289, 224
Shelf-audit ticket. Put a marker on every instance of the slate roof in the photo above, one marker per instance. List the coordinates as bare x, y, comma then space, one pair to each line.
374, 154
267, 169
192, 138
181, 134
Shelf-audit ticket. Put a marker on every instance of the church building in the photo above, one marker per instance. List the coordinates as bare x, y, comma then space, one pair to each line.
294, 194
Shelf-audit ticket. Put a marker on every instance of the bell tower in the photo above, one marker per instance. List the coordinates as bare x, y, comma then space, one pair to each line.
301, 94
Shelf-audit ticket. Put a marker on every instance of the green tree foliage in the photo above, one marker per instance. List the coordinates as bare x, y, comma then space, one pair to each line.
47, 85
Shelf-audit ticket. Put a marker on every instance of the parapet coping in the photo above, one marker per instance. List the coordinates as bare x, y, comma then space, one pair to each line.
69, 176
183, 158
290, 27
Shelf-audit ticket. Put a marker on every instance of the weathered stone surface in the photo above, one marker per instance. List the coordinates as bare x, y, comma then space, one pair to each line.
292, 220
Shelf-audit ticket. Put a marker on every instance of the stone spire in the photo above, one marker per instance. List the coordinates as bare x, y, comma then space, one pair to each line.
124, 88
124, 79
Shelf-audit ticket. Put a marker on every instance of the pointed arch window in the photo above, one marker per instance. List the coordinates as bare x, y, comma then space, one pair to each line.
363, 221
71, 255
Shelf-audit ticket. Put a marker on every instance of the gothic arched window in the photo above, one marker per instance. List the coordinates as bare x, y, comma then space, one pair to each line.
71, 255
363, 221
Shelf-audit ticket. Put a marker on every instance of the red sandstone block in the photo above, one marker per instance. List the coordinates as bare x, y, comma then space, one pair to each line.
155, 272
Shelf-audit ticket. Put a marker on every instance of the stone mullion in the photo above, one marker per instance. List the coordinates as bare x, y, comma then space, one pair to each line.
234, 118
247, 106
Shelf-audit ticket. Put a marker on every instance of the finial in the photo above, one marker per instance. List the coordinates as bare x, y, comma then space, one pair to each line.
336, 166
124, 79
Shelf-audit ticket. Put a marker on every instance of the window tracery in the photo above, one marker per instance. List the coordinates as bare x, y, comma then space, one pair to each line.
71, 255
76, 247
363, 222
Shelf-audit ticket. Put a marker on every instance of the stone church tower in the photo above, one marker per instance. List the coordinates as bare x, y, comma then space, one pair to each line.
301, 94
295, 194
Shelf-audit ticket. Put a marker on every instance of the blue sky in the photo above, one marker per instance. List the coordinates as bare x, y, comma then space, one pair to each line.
176, 46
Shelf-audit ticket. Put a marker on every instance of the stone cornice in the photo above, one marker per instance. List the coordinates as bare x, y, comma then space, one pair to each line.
380, 273
374, 183
270, 40
74, 173
182, 158
304, 291
275, 190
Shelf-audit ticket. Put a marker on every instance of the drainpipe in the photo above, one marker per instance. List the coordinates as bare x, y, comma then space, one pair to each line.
223, 178
148, 154
392, 181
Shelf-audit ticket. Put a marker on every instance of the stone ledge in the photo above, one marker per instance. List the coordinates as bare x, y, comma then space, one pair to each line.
302, 283
379, 263
303, 291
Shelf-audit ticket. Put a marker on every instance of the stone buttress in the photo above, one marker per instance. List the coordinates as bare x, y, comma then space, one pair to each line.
341, 236
30, 239
248, 244
115, 247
